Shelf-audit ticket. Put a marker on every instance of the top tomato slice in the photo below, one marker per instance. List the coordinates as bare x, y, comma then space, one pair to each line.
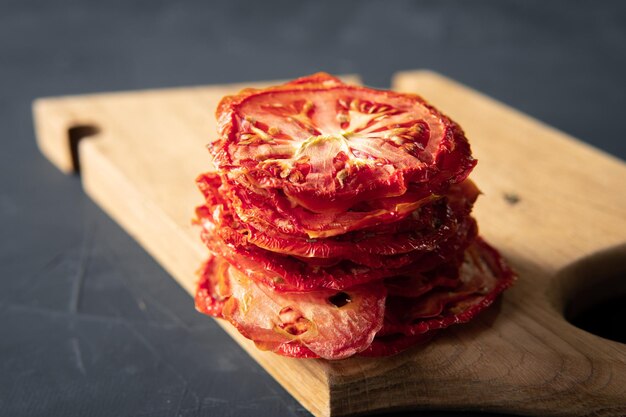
329, 146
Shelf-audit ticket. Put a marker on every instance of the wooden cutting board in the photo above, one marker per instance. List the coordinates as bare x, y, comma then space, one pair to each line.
555, 207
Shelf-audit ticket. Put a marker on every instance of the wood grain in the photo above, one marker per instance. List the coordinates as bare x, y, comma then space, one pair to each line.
554, 206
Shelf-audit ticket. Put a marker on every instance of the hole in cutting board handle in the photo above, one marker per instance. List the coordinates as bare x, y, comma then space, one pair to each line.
591, 293
75, 134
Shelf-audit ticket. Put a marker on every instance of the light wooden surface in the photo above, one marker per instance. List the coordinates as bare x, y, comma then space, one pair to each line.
566, 232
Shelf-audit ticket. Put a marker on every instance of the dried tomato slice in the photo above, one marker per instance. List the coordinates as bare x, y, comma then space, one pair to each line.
285, 273
331, 324
211, 292
372, 250
423, 231
270, 209
290, 327
329, 146
483, 276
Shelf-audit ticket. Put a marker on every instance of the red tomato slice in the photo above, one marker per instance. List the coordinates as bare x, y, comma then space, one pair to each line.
331, 324
483, 275
212, 293
422, 232
329, 146
272, 210
286, 273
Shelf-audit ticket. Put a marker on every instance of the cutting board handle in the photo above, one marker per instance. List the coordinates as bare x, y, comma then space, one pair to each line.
75, 134
60, 131
588, 283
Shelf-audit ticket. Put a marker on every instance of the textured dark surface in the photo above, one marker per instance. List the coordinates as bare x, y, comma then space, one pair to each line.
90, 325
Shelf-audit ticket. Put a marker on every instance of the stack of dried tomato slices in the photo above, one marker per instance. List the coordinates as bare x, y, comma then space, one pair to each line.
339, 220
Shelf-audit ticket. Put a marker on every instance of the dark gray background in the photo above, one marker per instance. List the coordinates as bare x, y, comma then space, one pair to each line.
89, 324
